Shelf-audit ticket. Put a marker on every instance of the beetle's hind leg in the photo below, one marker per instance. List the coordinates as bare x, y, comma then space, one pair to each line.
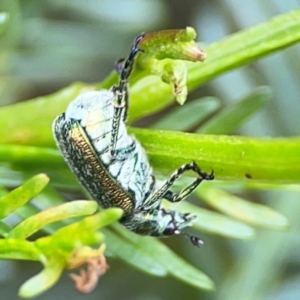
165, 192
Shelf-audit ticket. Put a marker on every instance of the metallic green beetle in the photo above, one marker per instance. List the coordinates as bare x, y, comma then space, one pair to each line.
112, 165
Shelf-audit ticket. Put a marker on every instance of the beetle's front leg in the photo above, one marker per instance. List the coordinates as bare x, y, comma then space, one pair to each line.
120, 107
120, 101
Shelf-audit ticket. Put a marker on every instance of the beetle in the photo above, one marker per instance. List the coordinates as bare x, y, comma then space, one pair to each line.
112, 165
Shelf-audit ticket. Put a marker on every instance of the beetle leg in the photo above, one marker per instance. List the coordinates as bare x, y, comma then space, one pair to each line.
173, 197
120, 102
164, 191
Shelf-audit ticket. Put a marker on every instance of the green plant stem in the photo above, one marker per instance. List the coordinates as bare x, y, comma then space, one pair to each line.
231, 157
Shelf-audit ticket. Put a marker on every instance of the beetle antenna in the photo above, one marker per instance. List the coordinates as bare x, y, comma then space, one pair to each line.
193, 239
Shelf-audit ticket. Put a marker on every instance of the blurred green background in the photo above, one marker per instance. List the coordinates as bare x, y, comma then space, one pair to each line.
50, 44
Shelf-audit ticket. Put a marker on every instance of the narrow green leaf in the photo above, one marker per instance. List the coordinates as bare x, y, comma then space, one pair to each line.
216, 223
20, 249
83, 232
256, 214
22, 194
4, 229
28, 210
238, 186
3, 191
185, 272
236, 114
231, 157
57, 213
11, 178
25, 155
4, 19
49, 197
61, 176
130, 254
45, 279
271, 186
185, 117
32, 160
174, 264
68, 243
44, 200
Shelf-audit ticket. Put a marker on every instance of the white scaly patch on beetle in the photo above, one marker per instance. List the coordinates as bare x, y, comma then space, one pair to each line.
94, 112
